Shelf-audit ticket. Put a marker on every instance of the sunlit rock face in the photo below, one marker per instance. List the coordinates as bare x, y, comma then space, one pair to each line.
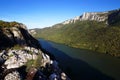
18, 58
33, 32
94, 16
13, 76
91, 16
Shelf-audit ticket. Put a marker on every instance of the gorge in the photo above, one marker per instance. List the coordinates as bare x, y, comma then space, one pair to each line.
97, 31
82, 64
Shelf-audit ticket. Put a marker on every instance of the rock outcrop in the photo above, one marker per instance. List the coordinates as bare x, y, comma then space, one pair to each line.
32, 31
91, 16
19, 49
17, 34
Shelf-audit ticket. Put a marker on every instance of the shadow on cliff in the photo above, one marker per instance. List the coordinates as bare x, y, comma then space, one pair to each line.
30, 41
9, 40
76, 69
5, 41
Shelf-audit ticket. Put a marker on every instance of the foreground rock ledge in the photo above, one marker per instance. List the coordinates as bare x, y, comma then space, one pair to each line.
21, 56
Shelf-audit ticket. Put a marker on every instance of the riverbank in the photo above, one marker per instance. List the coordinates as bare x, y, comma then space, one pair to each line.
84, 64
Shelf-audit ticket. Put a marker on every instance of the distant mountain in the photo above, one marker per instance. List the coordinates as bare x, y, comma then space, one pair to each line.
91, 16
97, 31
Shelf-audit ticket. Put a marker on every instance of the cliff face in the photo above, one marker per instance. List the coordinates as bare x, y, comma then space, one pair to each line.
114, 17
21, 56
110, 17
18, 34
91, 16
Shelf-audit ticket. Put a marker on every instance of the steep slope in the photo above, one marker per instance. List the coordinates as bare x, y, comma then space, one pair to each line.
15, 33
95, 31
21, 56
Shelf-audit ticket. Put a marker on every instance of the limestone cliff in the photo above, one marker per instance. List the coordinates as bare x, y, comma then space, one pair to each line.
91, 16
109, 16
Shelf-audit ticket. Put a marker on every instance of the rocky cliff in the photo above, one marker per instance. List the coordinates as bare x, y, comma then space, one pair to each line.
91, 16
109, 16
18, 34
21, 56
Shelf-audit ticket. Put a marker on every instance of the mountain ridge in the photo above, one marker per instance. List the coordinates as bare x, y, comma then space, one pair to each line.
90, 33
91, 16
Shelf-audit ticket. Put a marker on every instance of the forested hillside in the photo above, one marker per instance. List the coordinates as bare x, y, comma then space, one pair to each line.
100, 36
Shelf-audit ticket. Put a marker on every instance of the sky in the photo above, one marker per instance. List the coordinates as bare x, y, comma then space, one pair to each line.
45, 13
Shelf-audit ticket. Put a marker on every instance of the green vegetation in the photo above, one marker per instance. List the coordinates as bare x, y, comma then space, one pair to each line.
92, 35
4, 24
17, 47
29, 64
34, 63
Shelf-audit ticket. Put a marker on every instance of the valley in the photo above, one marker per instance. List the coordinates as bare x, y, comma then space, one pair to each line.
99, 32
81, 64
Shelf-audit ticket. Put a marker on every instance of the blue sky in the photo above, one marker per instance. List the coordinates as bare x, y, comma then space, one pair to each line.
44, 13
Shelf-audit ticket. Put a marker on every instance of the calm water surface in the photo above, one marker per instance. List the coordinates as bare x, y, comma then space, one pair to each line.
80, 64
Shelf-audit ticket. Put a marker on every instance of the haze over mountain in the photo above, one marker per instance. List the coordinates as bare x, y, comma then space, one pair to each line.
97, 31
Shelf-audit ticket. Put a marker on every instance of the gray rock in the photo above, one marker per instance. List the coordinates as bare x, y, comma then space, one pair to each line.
94, 16
13, 76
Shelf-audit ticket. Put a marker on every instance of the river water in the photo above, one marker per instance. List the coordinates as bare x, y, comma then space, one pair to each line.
80, 64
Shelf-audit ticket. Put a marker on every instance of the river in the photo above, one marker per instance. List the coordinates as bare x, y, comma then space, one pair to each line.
80, 64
